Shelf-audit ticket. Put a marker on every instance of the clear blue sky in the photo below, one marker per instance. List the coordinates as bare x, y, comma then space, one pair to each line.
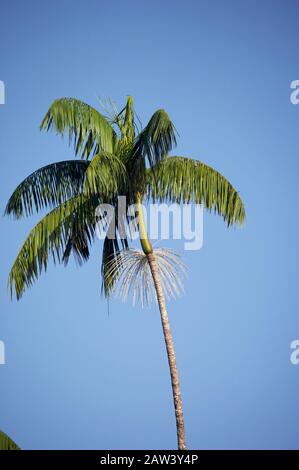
77, 378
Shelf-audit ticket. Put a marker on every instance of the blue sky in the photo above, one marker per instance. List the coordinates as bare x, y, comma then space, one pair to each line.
78, 378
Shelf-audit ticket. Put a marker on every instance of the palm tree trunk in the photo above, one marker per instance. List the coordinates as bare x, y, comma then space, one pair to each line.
176, 391
175, 383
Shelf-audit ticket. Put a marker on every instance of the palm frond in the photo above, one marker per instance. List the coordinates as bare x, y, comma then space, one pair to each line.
157, 139
89, 130
130, 273
115, 240
124, 119
180, 179
69, 227
106, 174
6, 443
47, 187
99, 176
128, 127
111, 249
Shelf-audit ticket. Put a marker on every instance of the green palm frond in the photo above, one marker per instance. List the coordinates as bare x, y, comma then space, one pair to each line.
106, 174
69, 227
90, 130
125, 121
115, 240
130, 273
47, 187
157, 139
6, 443
129, 128
109, 173
180, 179
111, 249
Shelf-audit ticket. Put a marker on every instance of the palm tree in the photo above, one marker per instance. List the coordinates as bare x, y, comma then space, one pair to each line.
117, 158
6, 443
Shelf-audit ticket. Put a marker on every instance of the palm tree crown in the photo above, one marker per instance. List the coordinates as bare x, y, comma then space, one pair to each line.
116, 159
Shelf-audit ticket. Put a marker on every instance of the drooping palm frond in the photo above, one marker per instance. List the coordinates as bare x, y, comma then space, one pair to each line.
115, 240
69, 227
157, 139
107, 174
130, 274
111, 249
90, 130
6, 443
180, 179
49, 186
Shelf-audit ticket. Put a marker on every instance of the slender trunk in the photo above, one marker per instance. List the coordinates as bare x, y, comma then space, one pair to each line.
176, 391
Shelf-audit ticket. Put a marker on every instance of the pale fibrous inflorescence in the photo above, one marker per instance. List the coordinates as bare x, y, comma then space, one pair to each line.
130, 274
